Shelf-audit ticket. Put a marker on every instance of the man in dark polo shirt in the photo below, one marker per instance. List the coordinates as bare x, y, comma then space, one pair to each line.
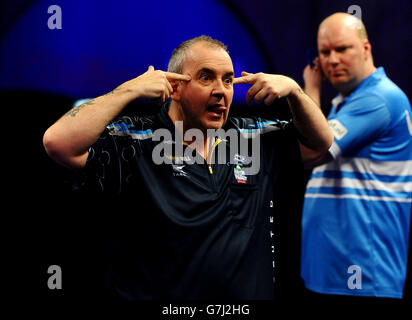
192, 190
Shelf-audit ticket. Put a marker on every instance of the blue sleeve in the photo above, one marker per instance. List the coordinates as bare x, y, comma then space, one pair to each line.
359, 123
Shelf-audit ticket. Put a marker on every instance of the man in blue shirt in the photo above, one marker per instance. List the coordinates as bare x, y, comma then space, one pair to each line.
356, 215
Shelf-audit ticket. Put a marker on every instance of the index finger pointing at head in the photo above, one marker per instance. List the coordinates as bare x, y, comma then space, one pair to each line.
177, 76
250, 79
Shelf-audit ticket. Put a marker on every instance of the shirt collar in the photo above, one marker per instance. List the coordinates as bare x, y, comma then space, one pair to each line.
369, 80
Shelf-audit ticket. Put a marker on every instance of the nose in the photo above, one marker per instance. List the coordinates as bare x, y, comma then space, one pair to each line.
333, 57
218, 88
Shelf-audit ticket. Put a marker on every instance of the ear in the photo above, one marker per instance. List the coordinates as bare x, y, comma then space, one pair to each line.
367, 49
177, 86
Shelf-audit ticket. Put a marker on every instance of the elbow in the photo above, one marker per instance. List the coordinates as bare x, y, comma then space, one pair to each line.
57, 150
50, 144
315, 159
312, 157
323, 144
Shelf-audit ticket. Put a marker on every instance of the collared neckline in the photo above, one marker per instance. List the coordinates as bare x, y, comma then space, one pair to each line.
168, 123
374, 76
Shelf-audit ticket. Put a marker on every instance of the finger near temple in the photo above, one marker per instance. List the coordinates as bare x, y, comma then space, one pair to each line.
245, 73
244, 79
177, 76
237, 80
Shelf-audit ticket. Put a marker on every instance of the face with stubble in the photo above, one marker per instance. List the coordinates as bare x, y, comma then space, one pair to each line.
344, 56
205, 100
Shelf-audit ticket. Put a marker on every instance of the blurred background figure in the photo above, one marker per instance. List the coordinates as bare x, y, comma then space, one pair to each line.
356, 214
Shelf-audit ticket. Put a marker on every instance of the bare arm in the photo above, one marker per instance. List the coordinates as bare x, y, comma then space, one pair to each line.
67, 141
313, 78
316, 136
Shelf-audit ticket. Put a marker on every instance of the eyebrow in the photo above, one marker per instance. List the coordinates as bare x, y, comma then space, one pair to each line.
210, 71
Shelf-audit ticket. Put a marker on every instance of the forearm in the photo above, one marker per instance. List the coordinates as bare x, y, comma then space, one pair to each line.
310, 122
68, 140
313, 93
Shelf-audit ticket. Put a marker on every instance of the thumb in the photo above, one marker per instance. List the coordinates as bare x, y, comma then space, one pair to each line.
151, 68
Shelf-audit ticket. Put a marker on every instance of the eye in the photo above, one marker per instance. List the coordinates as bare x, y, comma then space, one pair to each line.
204, 77
325, 52
341, 49
228, 80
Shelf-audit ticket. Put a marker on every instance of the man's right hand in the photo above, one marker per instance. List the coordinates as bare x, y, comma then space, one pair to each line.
154, 84
68, 140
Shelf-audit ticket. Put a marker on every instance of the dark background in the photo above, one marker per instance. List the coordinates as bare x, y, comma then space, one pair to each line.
104, 43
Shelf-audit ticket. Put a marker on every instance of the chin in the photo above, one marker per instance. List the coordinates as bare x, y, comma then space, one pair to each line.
214, 126
214, 123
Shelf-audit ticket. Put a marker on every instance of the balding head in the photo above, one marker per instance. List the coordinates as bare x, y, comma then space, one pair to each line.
345, 53
346, 22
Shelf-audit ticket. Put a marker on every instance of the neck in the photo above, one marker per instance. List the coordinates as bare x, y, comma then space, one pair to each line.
368, 71
176, 114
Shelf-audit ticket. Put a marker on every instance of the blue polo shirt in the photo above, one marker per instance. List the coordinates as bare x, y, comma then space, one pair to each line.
356, 215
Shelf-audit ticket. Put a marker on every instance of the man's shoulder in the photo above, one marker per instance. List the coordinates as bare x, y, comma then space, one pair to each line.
138, 127
384, 90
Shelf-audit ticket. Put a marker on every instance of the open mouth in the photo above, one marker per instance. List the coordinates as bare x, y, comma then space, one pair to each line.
216, 110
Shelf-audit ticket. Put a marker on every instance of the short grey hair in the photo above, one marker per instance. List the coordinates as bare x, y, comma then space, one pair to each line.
179, 54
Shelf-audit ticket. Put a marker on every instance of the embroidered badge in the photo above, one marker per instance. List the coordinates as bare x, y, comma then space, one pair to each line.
338, 129
238, 171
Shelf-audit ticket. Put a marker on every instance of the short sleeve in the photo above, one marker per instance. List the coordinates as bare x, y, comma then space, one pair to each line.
101, 173
357, 124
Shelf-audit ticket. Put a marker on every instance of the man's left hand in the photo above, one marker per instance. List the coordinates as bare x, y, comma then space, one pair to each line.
266, 87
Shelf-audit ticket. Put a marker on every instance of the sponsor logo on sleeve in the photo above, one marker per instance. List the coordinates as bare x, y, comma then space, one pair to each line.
338, 129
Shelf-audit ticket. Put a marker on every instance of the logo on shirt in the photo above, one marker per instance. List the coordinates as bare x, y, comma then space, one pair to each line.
338, 129
178, 170
238, 171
